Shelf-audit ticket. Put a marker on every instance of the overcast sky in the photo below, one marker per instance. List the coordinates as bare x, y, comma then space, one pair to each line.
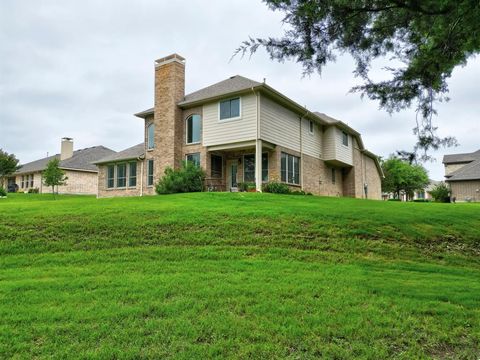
82, 68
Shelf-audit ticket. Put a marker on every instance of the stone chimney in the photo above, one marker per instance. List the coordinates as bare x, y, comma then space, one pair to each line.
169, 91
67, 148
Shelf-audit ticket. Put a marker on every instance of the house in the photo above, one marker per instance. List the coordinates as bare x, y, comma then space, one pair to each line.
240, 130
78, 165
462, 173
424, 194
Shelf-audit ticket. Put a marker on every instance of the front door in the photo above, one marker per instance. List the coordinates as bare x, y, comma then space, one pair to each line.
232, 169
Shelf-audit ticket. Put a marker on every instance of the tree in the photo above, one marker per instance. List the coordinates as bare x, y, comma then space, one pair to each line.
440, 193
8, 165
400, 176
427, 38
53, 175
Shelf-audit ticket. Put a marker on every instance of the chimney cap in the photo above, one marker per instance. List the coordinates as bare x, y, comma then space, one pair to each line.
67, 138
170, 58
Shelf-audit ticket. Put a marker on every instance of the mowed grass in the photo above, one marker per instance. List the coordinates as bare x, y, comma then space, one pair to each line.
218, 275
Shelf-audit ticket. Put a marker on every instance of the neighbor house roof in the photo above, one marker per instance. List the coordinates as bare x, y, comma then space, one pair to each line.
82, 159
461, 158
468, 172
133, 152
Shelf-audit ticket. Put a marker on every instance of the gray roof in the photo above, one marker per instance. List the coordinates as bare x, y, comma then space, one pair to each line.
468, 172
233, 84
459, 158
133, 152
326, 118
81, 160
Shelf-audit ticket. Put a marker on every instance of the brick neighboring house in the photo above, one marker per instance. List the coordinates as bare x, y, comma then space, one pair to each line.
240, 130
78, 165
462, 173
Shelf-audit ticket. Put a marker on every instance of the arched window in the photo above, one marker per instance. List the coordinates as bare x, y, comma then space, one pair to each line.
194, 129
150, 138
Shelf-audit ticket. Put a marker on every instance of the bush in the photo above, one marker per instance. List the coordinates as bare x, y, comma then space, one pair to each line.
189, 178
394, 200
3, 192
276, 187
421, 200
33, 191
441, 193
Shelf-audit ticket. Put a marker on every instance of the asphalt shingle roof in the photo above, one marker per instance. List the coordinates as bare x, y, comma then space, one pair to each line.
459, 158
81, 160
133, 152
468, 172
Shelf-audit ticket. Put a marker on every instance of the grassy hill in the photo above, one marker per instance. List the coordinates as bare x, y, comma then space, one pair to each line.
239, 276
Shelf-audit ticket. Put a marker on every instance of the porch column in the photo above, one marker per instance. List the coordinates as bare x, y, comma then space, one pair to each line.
258, 165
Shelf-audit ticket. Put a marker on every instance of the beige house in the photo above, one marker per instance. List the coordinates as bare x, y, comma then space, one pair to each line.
240, 130
462, 173
78, 166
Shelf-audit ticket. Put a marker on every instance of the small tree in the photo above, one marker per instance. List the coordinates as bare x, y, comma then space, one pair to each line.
8, 165
440, 193
189, 178
53, 175
402, 176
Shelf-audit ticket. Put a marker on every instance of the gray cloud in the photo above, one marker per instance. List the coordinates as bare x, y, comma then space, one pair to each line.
81, 69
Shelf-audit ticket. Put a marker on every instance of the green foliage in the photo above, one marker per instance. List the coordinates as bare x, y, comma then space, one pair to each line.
189, 178
421, 200
33, 190
441, 193
276, 187
425, 39
53, 175
242, 186
238, 275
8, 165
3, 192
402, 176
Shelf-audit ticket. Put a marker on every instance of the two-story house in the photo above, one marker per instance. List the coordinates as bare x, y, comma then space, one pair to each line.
240, 130
462, 173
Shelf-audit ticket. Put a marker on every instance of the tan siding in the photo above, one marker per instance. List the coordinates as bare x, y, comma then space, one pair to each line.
449, 168
217, 132
279, 125
311, 143
329, 147
465, 190
343, 153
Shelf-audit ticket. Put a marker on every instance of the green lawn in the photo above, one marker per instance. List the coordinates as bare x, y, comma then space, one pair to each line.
217, 275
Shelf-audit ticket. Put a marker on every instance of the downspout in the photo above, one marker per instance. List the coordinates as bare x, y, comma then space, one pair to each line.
258, 147
141, 174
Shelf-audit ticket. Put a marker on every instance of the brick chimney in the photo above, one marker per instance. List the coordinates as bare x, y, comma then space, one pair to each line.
169, 91
67, 148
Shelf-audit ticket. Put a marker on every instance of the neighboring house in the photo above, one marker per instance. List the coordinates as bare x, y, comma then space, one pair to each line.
240, 130
462, 173
78, 166
424, 194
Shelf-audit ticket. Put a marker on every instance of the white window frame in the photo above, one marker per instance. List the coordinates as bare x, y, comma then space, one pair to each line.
311, 127
345, 136
117, 178
186, 129
239, 110
153, 136
286, 169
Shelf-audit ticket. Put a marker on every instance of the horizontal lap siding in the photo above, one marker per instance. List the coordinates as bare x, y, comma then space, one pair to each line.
311, 143
217, 132
329, 143
278, 125
344, 153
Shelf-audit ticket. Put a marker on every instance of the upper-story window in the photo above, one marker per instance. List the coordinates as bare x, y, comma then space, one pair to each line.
150, 136
230, 109
194, 129
310, 127
344, 138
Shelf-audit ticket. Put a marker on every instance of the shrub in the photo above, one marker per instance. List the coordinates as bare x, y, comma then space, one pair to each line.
242, 186
3, 192
441, 193
189, 178
394, 200
421, 200
276, 187
33, 191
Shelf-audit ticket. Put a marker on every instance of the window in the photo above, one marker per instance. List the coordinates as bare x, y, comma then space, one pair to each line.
194, 158
26, 181
110, 176
31, 180
216, 163
344, 138
230, 109
310, 127
132, 174
290, 169
249, 167
334, 176
150, 173
121, 175
23, 181
150, 136
194, 129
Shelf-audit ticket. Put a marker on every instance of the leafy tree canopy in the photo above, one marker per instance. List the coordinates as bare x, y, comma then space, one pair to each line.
8, 164
400, 176
429, 38
53, 175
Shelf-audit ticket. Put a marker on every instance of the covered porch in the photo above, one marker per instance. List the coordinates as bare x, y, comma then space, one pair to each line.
231, 165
